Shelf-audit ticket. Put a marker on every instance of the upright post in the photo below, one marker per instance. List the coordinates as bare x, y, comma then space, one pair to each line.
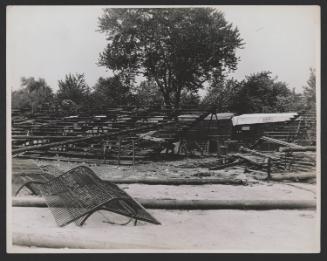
268, 168
218, 147
218, 142
208, 147
119, 149
133, 144
180, 146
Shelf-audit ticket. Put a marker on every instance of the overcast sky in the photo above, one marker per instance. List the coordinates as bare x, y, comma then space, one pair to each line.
51, 41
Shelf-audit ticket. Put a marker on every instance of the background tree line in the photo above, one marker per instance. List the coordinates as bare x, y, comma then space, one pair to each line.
260, 92
256, 93
177, 52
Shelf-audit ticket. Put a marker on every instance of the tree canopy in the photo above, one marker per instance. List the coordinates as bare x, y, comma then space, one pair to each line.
222, 92
73, 88
178, 48
33, 95
111, 92
257, 93
147, 94
260, 93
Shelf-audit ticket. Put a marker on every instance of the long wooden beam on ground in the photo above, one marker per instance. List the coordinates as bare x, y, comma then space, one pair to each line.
305, 148
193, 204
293, 176
176, 182
280, 142
259, 164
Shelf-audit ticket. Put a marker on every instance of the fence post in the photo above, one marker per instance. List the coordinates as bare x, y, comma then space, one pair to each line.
268, 168
119, 149
133, 144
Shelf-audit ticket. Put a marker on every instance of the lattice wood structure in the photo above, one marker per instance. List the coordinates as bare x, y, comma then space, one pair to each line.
113, 143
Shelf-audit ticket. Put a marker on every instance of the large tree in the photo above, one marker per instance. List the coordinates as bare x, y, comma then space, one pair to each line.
34, 95
178, 48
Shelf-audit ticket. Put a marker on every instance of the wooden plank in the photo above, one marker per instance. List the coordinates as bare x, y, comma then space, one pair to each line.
257, 153
260, 164
194, 204
38, 137
283, 143
227, 165
302, 149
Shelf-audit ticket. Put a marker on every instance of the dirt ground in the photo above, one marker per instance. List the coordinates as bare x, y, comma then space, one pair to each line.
196, 230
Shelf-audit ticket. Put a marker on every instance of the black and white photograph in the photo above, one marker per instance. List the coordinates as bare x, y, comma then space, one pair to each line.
163, 128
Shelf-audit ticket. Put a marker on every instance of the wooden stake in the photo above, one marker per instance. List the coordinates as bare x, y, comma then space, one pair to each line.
119, 149
218, 148
268, 168
133, 144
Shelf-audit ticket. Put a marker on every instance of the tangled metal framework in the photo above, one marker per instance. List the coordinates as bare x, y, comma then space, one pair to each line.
78, 193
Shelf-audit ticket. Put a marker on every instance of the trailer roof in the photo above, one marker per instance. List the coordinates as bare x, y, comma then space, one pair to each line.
255, 118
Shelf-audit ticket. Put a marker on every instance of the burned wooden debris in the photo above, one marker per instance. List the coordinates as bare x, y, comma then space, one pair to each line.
274, 165
227, 165
113, 135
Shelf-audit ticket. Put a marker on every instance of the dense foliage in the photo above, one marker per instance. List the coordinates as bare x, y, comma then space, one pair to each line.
147, 94
257, 93
33, 95
111, 92
74, 88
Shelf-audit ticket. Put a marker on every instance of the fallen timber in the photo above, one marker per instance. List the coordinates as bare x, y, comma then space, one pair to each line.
280, 142
248, 170
80, 154
305, 148
71, 242
193, 204
298, 161
257, 153
178, 182
293, 176
248, 159
79, 160
301, 164
227, 165
58, 137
